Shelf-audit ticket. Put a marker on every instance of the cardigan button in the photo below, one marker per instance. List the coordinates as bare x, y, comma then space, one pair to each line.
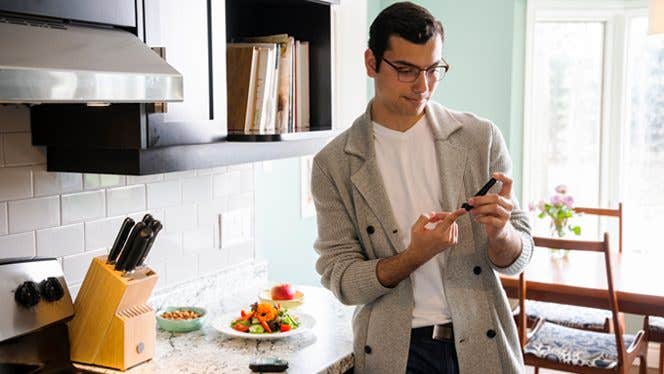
491, 334
477, 270
367, 349
370, 229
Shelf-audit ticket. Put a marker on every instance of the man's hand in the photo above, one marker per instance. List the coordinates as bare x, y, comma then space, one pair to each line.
425, 243
494, 212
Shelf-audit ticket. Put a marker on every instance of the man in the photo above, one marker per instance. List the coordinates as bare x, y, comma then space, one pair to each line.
391, 237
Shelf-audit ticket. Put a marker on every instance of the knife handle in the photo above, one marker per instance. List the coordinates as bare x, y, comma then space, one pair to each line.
137, 248
120, 240
122, 258
156, 226
147, 218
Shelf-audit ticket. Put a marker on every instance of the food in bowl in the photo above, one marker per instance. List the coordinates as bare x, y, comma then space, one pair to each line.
181, 318
264, 318
181, 314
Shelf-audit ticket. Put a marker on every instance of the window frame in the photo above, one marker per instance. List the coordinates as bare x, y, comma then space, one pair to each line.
616, 17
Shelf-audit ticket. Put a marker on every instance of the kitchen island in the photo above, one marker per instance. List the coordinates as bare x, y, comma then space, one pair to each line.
327, 348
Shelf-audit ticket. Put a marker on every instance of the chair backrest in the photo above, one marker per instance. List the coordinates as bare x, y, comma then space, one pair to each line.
577, 245
607, 213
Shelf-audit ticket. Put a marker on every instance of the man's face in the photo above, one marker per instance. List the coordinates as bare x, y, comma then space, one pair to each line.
405, 98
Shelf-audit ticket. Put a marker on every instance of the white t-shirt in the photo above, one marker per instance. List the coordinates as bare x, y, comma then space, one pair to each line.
408, 164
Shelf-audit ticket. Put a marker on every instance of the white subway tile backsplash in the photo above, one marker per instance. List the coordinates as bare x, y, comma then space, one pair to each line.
125, 200
53, 183
180, 218
73, 290
217, 170
181, 268
76, 266
14, 118
19, 150
179, 174
60, 241
201, 238
102, 233
167, 244
31, 214
212, 260
3, 219
241, 201
97, 181
240, 253
197, 189
16, 183
208, 212
74, 216
163, 194
81, 206
19, 245
143, 179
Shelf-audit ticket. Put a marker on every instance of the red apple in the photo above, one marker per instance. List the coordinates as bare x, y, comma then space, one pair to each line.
282, 292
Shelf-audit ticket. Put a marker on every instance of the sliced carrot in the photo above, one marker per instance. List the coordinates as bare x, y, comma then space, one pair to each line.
264, 324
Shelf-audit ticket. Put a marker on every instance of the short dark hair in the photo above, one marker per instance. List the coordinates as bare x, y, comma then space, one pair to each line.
405, 19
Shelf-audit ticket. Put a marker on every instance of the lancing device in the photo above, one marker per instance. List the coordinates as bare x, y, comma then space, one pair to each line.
481, 192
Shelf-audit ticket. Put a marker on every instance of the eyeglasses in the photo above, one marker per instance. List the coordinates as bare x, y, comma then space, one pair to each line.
409, 74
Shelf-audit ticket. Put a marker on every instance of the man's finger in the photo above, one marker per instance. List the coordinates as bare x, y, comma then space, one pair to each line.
422, 221
506, 189
451, 217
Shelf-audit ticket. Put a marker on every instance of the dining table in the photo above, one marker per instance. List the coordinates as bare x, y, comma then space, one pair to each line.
580, 279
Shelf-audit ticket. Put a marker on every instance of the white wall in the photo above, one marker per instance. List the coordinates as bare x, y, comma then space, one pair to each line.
75, 217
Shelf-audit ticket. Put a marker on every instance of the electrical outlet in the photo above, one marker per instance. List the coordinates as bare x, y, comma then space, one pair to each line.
234, 227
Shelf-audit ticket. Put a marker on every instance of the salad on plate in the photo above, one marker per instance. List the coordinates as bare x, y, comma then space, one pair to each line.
264, 318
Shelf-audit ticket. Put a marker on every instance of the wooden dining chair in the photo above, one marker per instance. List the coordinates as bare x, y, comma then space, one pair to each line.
575, 316
618, 213
655, 328
558, 347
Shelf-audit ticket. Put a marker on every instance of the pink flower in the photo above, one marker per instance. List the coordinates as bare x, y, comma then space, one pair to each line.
540, 205
531, 206
561, 189
556, 200
569, 201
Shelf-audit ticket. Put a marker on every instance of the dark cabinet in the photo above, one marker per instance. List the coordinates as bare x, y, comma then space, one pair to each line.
152, 138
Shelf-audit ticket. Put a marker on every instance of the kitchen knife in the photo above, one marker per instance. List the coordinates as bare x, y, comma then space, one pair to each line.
120, 240
156, 227
138, 248
122, 258
147, 218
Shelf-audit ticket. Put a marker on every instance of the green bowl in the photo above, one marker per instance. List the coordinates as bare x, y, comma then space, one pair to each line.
181, 325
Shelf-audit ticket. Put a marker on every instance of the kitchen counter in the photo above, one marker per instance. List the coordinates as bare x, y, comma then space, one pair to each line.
327, 348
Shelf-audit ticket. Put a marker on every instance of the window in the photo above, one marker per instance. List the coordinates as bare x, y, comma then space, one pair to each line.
594, 114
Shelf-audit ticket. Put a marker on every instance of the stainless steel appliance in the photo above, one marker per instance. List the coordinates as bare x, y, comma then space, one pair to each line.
35, 307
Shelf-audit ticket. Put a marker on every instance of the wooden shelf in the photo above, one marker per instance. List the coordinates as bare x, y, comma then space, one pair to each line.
185, 157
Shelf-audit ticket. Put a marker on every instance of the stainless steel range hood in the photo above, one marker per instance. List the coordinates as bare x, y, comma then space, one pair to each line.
43, 62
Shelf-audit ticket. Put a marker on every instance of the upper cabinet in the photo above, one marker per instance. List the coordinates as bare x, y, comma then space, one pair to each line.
140, 138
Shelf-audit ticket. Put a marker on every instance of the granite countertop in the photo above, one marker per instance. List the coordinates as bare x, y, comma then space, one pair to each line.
327, 348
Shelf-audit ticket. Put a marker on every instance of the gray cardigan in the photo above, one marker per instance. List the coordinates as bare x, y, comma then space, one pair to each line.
356, 228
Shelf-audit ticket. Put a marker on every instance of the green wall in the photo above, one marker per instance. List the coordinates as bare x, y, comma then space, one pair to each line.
283, 237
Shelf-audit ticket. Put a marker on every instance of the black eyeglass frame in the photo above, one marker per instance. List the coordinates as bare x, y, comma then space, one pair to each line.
437, 67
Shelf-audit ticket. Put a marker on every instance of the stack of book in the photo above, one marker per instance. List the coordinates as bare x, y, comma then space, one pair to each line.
267, 85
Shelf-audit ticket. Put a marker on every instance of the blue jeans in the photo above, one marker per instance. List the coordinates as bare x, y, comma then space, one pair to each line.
429, 356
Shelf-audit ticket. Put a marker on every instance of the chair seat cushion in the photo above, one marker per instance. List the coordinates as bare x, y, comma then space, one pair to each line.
567, 315
655, 324
575, 347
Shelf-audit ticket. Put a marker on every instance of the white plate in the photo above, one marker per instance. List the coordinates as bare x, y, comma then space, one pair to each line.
222, 324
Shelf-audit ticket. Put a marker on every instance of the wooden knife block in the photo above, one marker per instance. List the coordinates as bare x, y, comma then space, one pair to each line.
113, 326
